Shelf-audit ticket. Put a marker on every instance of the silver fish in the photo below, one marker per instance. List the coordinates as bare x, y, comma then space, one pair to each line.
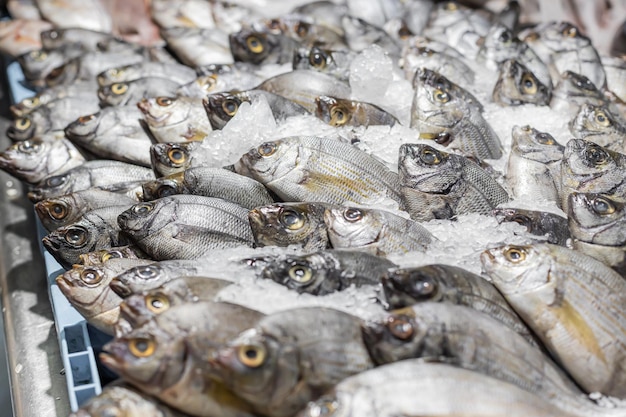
88, 39
342, 112
517, 85
325, 13
375, 231
551, 227
175, 119
186, 226
130, 92
615, 69
450, 66
600, 125
196, 47
171, 158
178, 73
335, 62
574, 90
452, 117
37, 64
376, 12
189, 13
303, 29
574, 303
83, 89
361, 34
301, 168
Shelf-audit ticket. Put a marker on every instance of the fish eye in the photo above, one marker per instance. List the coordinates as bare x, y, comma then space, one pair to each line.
58, 211
267, 149
424, 287
400, 327
86, 119
177, 155
30, 102
141, 347
164, 101
274, 24
252, 356
441, 96
157, 303
317, 58
505, 37
142, 208
338, 116
208, 83
55, 181
292, 219
301, 274
352, 215
91, 276
22, 124
545, 139
596, 155
583, 83
76, 236
521, 219
230, 106
529, 86
254, 44
166, 190
602, 118
114, 72
430, 156
570, 31
110, 255
451, 6
119, 88
53, 34
146, 272
515, 254
38, 55
28, 147
602, 206
302, 29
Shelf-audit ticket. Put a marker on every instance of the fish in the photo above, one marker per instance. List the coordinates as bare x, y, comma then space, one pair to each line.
573, 303
34, 160
155, 357
305, 30
517, 85
302, 168
186, 226
335, 62
551, 227
284, 224
600, 125
112, 175
261, 48
175, 119
38, 63
450, 66
83, 89
112, 133
87, 290
325, 272
175, 157
20, 36
451, 116
210, 182
405, 287
378, 232
130, 92
95, 230
178, 73
269, 365
534, 164
422, 388
120, 252
67, 209
196, 46
575, 90
614, 68
469, 339
361, 35
89, 14
325, 13
89, 40
342, 112
222, 107
217, 78
458, 182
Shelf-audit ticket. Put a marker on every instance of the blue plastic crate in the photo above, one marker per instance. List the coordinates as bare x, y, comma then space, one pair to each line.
79, 361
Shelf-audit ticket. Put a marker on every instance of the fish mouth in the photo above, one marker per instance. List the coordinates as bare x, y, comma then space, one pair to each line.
51, 244
119, 288
487, 258
64, 285
35, 196
129, 313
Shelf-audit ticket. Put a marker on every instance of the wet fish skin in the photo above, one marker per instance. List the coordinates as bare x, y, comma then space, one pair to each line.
341, 112
458, 181
186, 226
175, 119
517, 85
335, 62
574, 90
198, 46
551, 226
130, 92
303, 29
215, 78
119, 252
302, 168
450, 66
38, 63
600, 125
172, 158
574, 304
83, 89
375, 231
76, 14
325, 272
597, 218
178, 73
361, 34
614, 67
87, 39
284, 224
210, 182
452, 117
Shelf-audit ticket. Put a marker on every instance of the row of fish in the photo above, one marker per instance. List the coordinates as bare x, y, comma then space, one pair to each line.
320, 210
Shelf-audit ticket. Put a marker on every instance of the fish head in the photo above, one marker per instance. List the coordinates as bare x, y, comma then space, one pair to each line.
405, 287
597, 218
116, 94
140, 278
578, 85
71, 240
535, 145
116, 75
145, 218
173, 157
336, 112
313, 58
221, 107
39, 62
163, 111
54, 185
251, 46
593, 120
27, 105
99, 257
427, 169
164, 187
284, 224
517, 85
272, 160
22, 129
586, 158
138, 309
304, 274
85, 127
331, 404
27, 160
352, 227
57, 212
562, 36
63, 74
498, 43
526, 218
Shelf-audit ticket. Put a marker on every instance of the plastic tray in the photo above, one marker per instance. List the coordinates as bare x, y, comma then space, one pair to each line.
79, 361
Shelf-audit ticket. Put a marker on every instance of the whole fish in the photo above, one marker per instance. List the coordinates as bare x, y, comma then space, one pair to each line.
335, 62
87, 289
88, 14
112, 175
375, 231
88, 39
221, 107
130, 92
552, 227
175, 119
186, 226
420, 388
83, 89
95, 230
34, 160
573, 303
155, 357
38, 63
517, 85
575, 90
301, 168
178, 73
69, 208
196, 46
210, 182
259, 48
284, 224
534, 163
452, 117
450, 66
458, 182
124, 400
113, 132
600, 125
119, 252
325, 272
270, 365
342, 112
404, 287
445, 331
